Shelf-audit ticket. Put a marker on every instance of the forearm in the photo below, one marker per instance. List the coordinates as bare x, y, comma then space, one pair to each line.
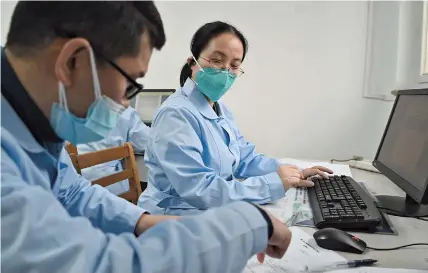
147, 221
105, 210
205, 190
219, 240
256, 165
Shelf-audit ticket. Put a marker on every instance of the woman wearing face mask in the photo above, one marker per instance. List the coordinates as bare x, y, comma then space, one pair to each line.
196, 154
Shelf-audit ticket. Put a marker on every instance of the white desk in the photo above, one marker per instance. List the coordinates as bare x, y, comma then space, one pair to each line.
410, 231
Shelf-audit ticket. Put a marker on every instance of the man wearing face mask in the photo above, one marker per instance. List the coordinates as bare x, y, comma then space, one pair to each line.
68, 71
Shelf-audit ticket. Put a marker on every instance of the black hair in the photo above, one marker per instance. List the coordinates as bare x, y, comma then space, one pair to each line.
113, 28
201, 39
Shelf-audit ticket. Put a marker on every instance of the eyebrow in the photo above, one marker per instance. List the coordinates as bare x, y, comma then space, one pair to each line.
224, 55
219, 52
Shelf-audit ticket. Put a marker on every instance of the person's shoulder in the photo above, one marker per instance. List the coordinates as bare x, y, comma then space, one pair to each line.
177, 99
11, 156
178, 103
225, 110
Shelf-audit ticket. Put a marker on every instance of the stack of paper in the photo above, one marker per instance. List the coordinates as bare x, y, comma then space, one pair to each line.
302, 253
338, 169
294, 207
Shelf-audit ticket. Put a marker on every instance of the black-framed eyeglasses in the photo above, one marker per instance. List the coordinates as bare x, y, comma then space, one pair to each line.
134, 87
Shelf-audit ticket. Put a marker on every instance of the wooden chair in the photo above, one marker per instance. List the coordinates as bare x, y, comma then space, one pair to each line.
129, 172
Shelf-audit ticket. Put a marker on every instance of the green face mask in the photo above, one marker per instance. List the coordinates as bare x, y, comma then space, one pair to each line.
213, 82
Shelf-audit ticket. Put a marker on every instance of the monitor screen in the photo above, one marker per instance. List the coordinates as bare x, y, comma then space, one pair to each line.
405, 146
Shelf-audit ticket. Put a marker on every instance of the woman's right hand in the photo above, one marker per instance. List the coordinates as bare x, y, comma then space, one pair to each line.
292, 177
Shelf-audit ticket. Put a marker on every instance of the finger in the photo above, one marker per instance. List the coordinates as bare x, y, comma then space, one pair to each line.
305, 183
275, 252
323, 169
323, 174
261, 257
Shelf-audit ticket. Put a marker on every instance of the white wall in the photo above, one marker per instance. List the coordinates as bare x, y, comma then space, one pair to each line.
7, 8
301, 95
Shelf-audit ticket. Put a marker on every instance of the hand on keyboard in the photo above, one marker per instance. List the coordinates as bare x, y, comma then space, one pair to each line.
292, 177
320, 170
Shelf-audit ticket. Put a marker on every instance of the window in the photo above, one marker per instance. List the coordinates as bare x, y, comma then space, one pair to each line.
424, 52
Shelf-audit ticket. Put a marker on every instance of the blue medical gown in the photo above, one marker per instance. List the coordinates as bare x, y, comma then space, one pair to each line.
198, 159
129, 128
53, 220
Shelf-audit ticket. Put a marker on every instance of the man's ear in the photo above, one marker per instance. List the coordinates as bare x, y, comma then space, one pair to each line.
66, 60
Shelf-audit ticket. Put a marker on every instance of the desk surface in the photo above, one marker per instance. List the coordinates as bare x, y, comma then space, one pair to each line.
409, 230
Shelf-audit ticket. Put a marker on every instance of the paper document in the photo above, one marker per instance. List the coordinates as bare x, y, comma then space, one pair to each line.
378, 270
294, 207
338, 169
302, 253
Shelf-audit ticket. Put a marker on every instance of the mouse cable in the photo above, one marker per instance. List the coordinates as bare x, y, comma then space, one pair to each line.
408, 216
398, 247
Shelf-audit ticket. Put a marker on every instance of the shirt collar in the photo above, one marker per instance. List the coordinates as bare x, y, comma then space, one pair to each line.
16, 127
198, 99
20, 115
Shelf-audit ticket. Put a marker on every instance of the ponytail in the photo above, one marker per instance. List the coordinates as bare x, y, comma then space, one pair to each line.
186, 72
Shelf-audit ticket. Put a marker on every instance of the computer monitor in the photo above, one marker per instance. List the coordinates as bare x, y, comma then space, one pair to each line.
147, 102
403, 154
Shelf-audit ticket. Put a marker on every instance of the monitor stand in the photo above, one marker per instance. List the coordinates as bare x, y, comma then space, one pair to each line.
402, 206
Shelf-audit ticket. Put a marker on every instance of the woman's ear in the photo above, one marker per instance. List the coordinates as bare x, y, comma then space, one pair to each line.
190, 61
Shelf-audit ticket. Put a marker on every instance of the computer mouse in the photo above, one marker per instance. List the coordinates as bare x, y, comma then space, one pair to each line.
339, 240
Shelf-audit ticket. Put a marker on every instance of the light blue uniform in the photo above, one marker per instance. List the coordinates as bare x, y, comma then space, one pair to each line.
197, 158
53, 220
129, 128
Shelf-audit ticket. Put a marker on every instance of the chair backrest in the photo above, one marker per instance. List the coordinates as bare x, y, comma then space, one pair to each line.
129, 172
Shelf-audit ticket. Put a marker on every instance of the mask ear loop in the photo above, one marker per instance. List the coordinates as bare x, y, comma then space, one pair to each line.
95, 80
62, 96
200, 67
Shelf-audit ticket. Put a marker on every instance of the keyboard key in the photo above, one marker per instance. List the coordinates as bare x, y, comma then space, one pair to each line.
363, 206
330, 204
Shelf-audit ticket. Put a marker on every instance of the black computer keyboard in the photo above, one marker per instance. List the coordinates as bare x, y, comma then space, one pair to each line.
340, 202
